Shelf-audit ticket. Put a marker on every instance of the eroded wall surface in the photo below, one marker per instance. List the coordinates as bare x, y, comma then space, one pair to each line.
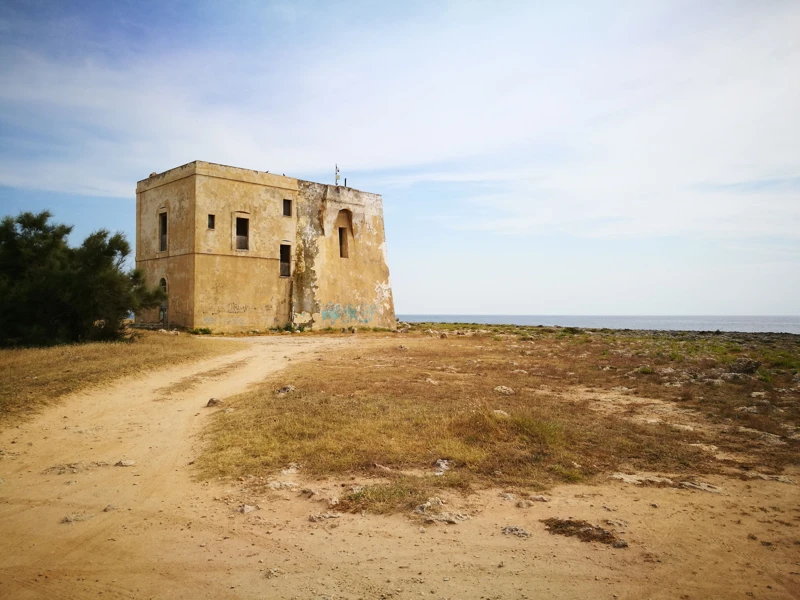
172, 192
332, 290
338, 274
242, 290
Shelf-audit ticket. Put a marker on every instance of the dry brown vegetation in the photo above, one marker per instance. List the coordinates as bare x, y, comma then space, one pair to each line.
405, 401
33, 377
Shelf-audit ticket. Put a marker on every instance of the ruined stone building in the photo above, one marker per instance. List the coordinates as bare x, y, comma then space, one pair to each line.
242, 250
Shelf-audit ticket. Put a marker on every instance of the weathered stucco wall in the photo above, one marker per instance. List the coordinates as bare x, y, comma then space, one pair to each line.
240, 290
336, 291
172, 192
213, 283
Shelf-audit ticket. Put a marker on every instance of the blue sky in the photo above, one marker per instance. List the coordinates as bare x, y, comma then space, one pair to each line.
534, 157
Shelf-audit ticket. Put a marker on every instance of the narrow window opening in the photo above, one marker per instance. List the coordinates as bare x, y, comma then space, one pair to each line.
211, 221
162, 231
286, 260
242, 233
287, 208
343, 242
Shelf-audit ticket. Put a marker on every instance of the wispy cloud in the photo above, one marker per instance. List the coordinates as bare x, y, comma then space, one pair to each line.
611, 120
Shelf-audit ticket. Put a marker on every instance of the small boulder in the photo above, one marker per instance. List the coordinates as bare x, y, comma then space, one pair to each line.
539, 498
500, 413
125, 463
745, 365
246, 508
505, 390
214, 402
287, 389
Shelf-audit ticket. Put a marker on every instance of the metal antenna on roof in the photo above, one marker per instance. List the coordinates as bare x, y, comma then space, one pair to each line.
337, 175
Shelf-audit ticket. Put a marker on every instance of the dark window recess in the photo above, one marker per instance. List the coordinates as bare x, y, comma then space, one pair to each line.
242, 233
211, 221
287, 208
162, 232
286, 260
343, 242
163, 284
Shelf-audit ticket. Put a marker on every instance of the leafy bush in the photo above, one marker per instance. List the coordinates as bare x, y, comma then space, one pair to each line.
51, 293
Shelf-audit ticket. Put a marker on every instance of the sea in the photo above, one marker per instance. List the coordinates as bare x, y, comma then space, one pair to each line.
749, 324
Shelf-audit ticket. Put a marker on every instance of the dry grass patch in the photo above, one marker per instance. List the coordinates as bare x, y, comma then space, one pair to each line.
34, 377
406, 408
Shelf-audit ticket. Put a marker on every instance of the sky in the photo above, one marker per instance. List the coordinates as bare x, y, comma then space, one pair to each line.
628, 157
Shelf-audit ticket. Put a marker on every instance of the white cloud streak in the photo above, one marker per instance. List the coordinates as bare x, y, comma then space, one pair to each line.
640, 114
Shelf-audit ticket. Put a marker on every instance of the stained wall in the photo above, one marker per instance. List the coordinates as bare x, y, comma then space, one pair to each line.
214, 284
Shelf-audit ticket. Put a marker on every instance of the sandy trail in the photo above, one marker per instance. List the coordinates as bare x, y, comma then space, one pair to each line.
172, 537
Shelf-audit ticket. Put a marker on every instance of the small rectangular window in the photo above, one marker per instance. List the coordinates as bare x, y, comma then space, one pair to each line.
343, 242
242, 233
162, 231
287, 208
211, 221
286, 260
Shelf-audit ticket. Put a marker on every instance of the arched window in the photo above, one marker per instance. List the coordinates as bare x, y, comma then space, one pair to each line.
163, 284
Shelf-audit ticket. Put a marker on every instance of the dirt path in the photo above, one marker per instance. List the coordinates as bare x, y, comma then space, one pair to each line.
167, 536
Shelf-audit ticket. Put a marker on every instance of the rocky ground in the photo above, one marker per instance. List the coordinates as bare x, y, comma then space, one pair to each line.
100, 495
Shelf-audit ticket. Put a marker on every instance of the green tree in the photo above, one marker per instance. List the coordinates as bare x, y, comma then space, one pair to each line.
51, 293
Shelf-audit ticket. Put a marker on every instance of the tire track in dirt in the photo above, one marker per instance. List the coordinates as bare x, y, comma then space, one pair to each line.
148, 543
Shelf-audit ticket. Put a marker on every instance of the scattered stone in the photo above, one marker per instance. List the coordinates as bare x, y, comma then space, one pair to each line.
758, 394
441, 465
701, 486
287, 389
654, 505
507, 496
77, 518
125, 463
583, 530
643, 479
520, 371
308, 492
505, 390
500, 413
524, 504
422, 509
747, 409
769, 438
272, 573
619, 544
228, 411
448, 518
402, 347
517, 531
246, 508
109, 508
322, 517
214, 402
765, 477
431, 381
745, 365
443, 336
539, 498
384, 469
292, 469
281, 485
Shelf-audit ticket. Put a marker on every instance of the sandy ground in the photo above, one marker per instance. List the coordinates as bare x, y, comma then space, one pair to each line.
150, 530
